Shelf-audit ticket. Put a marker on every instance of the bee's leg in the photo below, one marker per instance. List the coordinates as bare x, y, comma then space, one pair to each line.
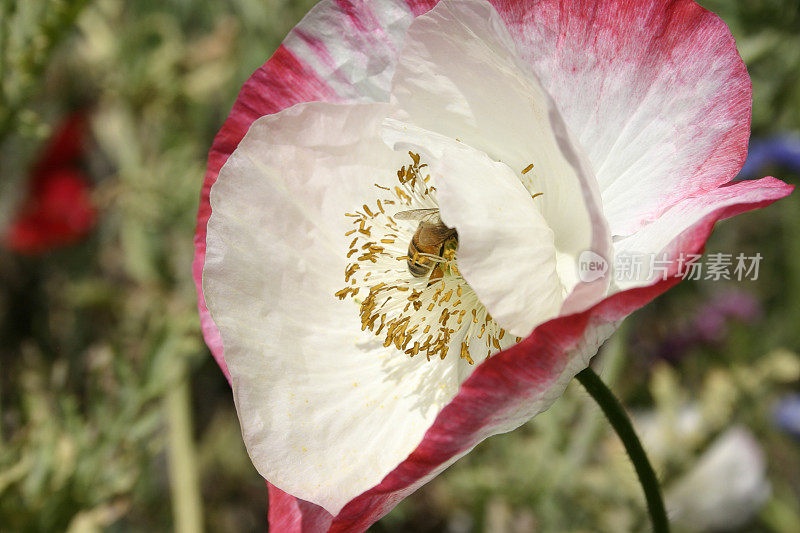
436, 274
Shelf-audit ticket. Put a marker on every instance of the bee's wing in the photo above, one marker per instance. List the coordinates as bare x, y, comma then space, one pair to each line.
415, 214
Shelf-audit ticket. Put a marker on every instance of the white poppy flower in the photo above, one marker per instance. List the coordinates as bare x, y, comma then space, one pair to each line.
360, 373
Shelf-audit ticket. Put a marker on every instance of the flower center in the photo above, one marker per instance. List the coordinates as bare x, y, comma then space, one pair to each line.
404, 259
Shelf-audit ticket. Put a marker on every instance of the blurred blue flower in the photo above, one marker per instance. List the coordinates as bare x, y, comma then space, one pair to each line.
787, 414
780, 151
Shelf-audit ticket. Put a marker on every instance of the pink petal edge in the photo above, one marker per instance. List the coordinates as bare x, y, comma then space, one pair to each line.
281, 82
498, 387
621, 71
524, 372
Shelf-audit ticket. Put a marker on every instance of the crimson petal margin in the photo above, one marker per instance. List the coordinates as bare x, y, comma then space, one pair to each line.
525, 372
281, 82
304, 69
507, 384
606, 61
310, 66
653, 90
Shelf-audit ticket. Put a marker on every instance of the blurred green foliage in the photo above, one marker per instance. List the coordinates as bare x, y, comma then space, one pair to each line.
113, 416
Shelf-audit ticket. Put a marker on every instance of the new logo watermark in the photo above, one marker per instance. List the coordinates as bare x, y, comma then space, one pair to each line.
631, 267
591, 266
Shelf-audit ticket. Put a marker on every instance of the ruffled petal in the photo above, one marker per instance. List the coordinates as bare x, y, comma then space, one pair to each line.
459, 75
688, 224
353, 44
337, 40
282, 82
288, 514
291, 76
517, 383
313, 391
505, 247
503, 393
654, 91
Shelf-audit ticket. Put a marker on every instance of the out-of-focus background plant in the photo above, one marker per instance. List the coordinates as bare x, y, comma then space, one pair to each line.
113, 415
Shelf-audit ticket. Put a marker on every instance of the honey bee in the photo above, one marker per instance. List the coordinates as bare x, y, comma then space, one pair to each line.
429, 241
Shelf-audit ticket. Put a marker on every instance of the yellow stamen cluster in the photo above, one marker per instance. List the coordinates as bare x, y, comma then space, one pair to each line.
424, 315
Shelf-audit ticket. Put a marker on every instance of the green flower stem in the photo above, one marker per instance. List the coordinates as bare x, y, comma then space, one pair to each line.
184, 484
590, 427
623, 427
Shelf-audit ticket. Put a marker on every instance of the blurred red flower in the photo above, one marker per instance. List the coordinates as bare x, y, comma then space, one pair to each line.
58, 209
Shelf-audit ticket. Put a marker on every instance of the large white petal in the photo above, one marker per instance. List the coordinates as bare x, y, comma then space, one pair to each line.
505, 251
459, 75
352, 45
505, 247
653, 90
326, 411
